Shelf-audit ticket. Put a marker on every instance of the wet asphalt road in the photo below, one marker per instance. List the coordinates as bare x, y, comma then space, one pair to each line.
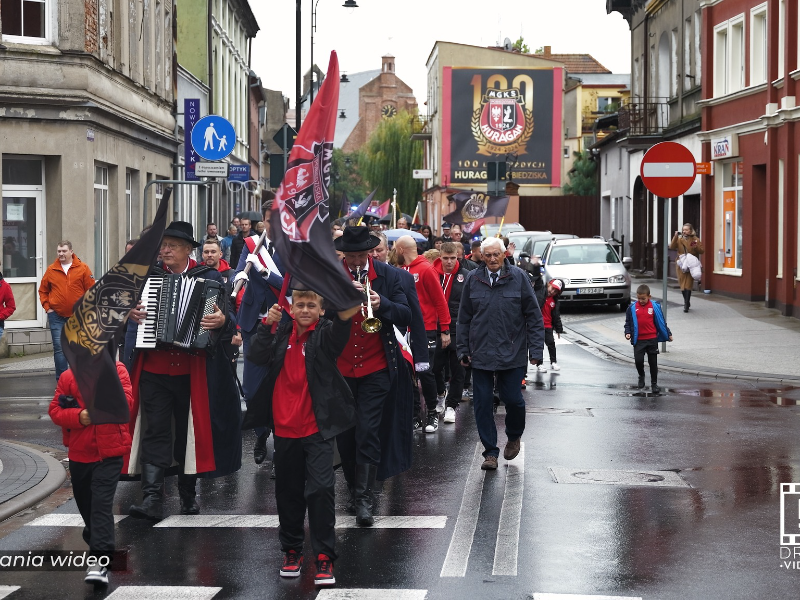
728, 444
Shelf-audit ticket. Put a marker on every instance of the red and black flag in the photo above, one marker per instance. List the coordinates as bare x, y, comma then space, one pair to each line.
90, 335
300, 222
472, 206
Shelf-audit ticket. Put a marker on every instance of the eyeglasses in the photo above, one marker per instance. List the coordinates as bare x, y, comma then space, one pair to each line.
493, 254
165, 245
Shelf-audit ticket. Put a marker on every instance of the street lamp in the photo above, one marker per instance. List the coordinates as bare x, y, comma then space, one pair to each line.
348, 4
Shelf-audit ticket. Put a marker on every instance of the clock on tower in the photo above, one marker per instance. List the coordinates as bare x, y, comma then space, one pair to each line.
388, 111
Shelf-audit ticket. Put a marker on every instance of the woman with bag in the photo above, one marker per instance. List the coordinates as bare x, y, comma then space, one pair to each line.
686, 242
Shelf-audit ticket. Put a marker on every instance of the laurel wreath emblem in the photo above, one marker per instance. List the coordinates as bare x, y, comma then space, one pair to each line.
487, 148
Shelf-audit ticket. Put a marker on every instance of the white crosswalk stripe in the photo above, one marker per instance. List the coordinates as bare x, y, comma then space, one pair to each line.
541, 596
271, 521
371, 594
163, 592
64, 520
506, 549
455, 562
5, 590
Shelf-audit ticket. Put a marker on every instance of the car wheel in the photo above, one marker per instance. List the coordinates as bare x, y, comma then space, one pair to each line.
623, 306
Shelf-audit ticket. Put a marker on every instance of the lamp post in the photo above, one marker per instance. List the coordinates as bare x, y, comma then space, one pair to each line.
348, 4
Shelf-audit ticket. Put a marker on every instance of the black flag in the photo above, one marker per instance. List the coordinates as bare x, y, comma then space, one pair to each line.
90, 334
300, 225
471, 206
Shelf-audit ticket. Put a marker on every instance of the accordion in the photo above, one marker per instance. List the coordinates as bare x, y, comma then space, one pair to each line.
175, 305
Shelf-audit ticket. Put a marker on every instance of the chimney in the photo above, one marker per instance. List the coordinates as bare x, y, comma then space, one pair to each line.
547, 50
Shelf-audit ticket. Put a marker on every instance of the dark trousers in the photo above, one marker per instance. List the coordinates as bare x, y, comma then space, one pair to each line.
56, 323
649, 347
482, 401
94, 485
304, 479
252, 375
361, 444
163, 397
427, 379
448, 357
550, 342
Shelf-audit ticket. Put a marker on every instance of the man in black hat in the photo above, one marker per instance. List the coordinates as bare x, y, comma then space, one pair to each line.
196, 391
380, 445
446, 232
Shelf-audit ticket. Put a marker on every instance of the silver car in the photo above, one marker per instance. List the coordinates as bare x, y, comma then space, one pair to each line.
591, 270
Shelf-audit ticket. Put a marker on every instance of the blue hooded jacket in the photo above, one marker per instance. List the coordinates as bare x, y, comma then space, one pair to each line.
632, 325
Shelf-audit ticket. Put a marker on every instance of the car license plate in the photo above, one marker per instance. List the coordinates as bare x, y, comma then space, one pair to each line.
589, 291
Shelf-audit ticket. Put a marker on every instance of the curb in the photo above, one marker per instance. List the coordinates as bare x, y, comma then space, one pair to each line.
51, 482
28, 373
699, 372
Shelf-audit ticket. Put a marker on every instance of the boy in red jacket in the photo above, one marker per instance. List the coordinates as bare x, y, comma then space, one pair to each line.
95, 463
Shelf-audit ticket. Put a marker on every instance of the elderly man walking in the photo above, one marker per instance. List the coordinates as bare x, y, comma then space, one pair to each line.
500, 329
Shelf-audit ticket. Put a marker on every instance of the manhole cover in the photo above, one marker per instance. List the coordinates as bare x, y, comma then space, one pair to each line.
617, 477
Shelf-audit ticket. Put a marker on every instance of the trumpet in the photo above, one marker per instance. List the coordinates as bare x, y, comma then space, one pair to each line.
371, 323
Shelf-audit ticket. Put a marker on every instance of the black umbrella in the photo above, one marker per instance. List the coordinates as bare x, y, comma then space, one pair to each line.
388, 218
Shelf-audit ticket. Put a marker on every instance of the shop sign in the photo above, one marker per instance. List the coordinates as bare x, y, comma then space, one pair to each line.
724, 147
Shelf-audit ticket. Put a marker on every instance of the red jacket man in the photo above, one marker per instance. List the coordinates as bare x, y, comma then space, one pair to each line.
7, 305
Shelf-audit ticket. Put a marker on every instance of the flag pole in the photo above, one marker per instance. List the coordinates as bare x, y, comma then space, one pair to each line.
500, 229
394, 208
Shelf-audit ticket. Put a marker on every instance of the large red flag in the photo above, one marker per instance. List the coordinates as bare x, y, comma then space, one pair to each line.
300, 222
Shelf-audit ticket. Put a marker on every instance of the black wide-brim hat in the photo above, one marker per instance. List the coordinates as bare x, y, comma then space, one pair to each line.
356, 239
183, 231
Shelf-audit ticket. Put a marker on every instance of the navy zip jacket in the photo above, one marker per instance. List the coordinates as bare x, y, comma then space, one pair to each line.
499, 327
632, 325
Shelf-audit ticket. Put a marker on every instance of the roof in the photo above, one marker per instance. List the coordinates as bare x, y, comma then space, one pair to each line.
349, 102
575, 63
621, 80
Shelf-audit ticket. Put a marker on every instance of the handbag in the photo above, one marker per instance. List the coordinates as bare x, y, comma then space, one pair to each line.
689, 263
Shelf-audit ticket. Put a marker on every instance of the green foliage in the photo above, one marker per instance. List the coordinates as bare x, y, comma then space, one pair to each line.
521, 46
389, 158
582, 176
348, 181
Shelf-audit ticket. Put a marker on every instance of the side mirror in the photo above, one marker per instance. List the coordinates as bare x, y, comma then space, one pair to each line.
627, 262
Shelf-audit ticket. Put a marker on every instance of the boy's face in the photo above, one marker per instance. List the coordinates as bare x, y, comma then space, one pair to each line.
643, 298
306, 311
552, 290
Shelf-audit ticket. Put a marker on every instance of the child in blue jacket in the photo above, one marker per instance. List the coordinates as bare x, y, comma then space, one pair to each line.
645, 326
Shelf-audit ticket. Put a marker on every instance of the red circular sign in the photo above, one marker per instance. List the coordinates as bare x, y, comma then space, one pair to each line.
668, 169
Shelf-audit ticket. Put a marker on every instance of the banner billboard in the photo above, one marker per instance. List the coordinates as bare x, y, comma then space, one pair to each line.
512, 114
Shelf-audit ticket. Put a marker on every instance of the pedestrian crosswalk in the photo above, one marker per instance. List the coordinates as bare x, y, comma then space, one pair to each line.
163, 592
371, 594
6, 590
541, 596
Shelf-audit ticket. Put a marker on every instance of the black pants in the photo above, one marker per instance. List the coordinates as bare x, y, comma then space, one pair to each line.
362, 445
649, 347
94, 485
550, 342
448, 357
427, 379
164, 397
304, 479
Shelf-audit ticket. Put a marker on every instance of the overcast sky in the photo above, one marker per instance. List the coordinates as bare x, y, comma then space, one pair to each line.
408, 29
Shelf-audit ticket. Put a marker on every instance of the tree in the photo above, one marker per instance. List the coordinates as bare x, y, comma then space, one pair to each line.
389, 159
582, 176
346, 179
521, 46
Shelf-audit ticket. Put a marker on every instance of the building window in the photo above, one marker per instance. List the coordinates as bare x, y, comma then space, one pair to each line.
732, 210
781, 37
673, 50
729, 57
607, 105
758, 45
100, 220
781, 215
697, 47
128, 205
688, 76
26, 19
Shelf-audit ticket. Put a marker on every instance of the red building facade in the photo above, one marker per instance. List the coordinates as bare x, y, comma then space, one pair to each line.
750, 81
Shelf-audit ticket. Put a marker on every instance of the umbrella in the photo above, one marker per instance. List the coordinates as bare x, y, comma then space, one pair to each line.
393, 234
253, 215
388, 218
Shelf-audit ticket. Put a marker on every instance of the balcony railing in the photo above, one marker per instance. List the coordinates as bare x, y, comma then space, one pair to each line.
644, 116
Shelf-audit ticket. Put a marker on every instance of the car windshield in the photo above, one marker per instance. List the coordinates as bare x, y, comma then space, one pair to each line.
582, 254
490, 230
539, 247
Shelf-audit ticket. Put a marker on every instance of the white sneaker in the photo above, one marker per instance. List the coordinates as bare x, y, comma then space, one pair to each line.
541, 368
440, 403
450, 415
96, 575
555, 367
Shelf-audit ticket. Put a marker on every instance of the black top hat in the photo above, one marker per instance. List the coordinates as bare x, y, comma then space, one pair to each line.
356, 239
181, 230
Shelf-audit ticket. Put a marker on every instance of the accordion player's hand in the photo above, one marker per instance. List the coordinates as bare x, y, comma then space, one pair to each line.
138, 314
213, 320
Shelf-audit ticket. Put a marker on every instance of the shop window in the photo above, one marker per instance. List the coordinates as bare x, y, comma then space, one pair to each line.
732, 211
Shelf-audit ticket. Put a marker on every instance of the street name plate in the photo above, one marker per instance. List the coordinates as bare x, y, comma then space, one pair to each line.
211, 169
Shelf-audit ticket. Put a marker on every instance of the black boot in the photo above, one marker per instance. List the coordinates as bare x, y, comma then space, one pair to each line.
365, 499
686, 300
187, 485
348, 470
260, 449
152, 506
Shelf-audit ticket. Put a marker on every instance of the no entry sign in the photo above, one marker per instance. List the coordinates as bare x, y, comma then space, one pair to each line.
668, 169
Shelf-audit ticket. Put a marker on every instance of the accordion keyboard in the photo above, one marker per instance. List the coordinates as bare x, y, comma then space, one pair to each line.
146, 335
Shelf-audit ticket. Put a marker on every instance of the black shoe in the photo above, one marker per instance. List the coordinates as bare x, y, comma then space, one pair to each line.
350, 506
152, 506
86, 535
433, 422
260, 449
365, 499
187, 491
655, 388
640, 385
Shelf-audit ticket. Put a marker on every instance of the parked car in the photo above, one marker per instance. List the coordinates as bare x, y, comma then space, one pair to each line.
491, 229
591, 270
536, 244
520, 238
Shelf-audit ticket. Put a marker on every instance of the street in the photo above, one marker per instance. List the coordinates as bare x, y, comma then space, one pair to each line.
696, 513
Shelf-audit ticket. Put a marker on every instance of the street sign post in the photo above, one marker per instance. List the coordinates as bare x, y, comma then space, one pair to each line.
668, 170
211, 169
213, 137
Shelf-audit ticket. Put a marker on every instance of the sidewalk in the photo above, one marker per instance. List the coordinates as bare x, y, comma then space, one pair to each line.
26, 366
718, 337
26, 477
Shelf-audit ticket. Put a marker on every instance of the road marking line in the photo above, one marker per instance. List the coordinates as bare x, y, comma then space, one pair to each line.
64, 520
271, 521
5, 590
506, 550
675, 169
372, 594
541, 596
163, 592
455, 563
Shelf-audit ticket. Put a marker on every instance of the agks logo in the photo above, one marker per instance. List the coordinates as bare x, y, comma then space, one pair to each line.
502, 123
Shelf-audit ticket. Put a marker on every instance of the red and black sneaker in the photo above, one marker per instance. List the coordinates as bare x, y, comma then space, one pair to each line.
292, 563
324, 574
